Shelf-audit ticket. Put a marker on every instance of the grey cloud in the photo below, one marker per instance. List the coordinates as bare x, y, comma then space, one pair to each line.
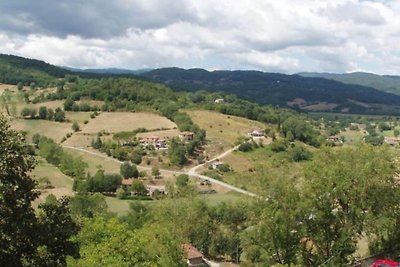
89, 18
361, 13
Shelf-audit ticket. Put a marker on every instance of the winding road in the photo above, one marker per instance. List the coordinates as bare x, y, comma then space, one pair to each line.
191, 172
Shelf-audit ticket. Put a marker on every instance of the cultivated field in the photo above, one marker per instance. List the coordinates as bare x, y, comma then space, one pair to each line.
113, 122
52, 129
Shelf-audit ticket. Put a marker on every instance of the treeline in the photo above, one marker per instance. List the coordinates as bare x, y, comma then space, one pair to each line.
44, 113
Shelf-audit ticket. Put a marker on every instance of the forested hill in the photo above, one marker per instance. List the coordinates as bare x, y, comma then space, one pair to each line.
280, 89
390, 84
15, 69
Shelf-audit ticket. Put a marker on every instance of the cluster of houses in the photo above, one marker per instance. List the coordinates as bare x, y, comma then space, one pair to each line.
161, 143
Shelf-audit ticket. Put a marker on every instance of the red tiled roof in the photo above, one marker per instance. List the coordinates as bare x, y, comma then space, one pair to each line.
127, 181
191, 251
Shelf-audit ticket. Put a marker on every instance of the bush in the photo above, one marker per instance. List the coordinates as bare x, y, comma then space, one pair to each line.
245, 147
299, 153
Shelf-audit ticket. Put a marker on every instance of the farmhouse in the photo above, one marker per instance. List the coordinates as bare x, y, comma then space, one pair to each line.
156, 188
216, 164
125, 183
257, 133
155, 141
194, 257
334, 139
186, 136
219, 100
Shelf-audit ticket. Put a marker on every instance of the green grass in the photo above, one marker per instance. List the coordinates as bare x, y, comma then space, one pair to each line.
215, 199
56, 177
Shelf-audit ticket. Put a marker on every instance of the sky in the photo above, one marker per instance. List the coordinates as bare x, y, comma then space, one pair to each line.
287, 36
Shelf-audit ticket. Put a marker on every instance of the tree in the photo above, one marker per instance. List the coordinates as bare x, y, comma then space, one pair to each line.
155, 171
85, 205
182, 180
18, 224
59, 115
177, 152
20, 86
75, 126
43, 113
50, 114
346, 188
27, 240
56, 227
68, 103
396, 132
138, 188
28, 112
128, 170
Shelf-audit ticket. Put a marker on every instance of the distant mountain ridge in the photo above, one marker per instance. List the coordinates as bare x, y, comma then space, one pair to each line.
296, 91
108, 70
387, 83
305, 93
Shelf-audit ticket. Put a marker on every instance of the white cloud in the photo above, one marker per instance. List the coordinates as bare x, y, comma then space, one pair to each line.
285, 35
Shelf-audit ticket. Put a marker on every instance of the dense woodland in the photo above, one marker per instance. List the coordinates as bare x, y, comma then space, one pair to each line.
317, 217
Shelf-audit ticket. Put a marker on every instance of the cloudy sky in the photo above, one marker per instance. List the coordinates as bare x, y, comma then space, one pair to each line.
271, 35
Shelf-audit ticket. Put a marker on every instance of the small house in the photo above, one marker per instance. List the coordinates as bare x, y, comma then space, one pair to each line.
186, 136
257, 133
335, 139
216, 164
219, 100
126, 183
156, 188
194, 257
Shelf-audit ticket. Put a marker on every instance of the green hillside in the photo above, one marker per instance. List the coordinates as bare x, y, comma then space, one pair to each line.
386, 83
303, 93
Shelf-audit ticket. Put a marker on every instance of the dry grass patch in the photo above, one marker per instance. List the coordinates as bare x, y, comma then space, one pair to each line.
62, 183
114, 122
222, 130
10, 87
166, 134
79, 117
80, 140
51, 129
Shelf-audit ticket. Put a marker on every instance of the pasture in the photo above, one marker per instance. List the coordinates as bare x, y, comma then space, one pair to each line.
52, 129
113, 122
222, 130
62, 183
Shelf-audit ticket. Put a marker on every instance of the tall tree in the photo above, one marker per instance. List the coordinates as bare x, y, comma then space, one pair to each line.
18, 240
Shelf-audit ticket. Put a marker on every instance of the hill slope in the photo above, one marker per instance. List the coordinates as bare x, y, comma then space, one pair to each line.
283, 90
386, 83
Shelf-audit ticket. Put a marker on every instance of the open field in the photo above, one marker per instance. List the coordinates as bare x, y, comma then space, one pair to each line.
94, 161
61, 182
79, 117
113, 122
10, 87
222, 130
165, 134
52, 129
80, 140
352, 137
